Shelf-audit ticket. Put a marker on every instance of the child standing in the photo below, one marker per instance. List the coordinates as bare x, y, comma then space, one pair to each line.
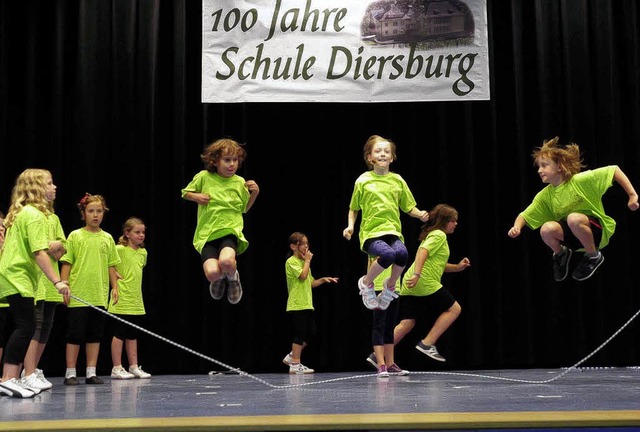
4, 306
379, 193
23, 259
569, 210
127, 301
300, 281
47, 299
422, 290
222, 197
89, 265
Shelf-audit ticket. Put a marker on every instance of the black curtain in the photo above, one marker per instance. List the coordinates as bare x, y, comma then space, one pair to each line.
106, 95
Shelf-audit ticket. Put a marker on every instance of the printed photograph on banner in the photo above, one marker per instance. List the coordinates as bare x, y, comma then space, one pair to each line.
344, 51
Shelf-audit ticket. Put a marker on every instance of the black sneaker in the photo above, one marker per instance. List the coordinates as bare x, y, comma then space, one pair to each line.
587, 267
94, 380
561, 264
71, 381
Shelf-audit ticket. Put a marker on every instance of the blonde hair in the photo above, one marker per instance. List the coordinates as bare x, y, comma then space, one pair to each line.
29, 189
567, 158
368, 148
220, 148
127, 226
88, 199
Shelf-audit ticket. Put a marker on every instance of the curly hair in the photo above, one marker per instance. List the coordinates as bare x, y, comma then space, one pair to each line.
29, 189
220, 148
567, 158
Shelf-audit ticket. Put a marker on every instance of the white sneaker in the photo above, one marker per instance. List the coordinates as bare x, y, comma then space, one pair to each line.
32, 383
118, 372
40, 374
385, 298
14, 388
300, 369
287, 359
139, 373
368, 294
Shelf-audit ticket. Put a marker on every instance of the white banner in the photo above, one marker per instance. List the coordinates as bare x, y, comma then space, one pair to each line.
344, 51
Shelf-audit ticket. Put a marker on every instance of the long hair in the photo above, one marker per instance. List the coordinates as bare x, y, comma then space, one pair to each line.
568, 157
439, 217
128, 225
30, 188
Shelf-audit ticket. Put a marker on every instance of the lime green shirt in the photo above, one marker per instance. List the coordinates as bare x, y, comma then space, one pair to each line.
90, 256
300, 296
223, 215
130, 301
19, 272
380, 198
582, 193
46, 291
430, 277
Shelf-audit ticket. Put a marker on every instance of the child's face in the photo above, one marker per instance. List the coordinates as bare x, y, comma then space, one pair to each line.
381, 154
549, 171
93, 215
301, 248
136, 235
49, 189
227, 165
450, 227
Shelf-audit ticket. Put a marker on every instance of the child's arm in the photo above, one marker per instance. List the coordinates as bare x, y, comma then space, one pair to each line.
323, 280
113, 281
351, 221
200, 198
517, 227
254, 190
622, 179
423, 215
65, 270
463, 264
44, 262
421, 257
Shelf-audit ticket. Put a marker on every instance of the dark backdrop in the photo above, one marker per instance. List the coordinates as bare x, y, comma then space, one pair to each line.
106, 95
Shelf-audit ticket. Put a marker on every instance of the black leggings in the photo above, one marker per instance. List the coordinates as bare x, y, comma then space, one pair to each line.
23, 311
45, 311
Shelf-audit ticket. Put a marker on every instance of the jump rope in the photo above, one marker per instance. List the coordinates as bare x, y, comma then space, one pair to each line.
575, 367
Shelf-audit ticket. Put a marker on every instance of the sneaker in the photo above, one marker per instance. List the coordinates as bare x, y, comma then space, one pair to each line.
395, 369
431, 351
14, 388
368, 294
372, 360
93, 380
217, 288
287, 359
234, 292
382, 372
139, 373
71, 381
32, 383
561, 264
300, 369
118, 372
385, 298
46, 382
587, 267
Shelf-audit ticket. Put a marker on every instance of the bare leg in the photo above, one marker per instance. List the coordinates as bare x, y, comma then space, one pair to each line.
552, 235
443, 322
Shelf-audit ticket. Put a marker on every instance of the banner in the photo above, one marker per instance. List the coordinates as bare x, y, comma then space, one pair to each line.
344, 51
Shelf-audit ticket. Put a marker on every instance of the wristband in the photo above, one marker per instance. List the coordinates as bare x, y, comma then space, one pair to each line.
416, 274
57, 282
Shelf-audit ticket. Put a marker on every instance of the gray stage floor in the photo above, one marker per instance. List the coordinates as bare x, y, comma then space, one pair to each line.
538, 398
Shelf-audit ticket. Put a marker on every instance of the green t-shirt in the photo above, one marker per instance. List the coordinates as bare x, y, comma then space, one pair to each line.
46, 291
430, 277
223, 215
130, 300
380, 198
582, 193
19, 272
300, 296
90, 255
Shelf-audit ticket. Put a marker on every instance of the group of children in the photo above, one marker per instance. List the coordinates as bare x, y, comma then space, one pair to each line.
40, 268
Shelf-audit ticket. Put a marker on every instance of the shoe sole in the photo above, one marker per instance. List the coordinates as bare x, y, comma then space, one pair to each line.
590, 274
15, 393
566, 267
441, 359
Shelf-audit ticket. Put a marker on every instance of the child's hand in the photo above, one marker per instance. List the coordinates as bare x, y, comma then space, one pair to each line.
252, 186
463, 264
424, 216
63, 288
514, 232
307, 256
633, 202
201, 198
347, 233
412, 280
56, 250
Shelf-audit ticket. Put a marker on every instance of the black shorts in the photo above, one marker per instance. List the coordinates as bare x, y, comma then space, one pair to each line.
573, 243
421, 307
85, 325
211, 249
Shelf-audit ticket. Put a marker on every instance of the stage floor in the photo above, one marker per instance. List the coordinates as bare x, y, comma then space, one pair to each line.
476, 400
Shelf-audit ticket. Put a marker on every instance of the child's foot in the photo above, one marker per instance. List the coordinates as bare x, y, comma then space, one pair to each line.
382, 371
431, 351
372, 360
287, 359
587, 267
93, 380
118, 372
139, 373
234, 291
386, 296
561, 264
368, 294
217, 288
394, 368
299, 369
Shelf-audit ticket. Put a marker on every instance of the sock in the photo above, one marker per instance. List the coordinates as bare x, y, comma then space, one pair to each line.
91, 372
232, 278
71, 372
593, 255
